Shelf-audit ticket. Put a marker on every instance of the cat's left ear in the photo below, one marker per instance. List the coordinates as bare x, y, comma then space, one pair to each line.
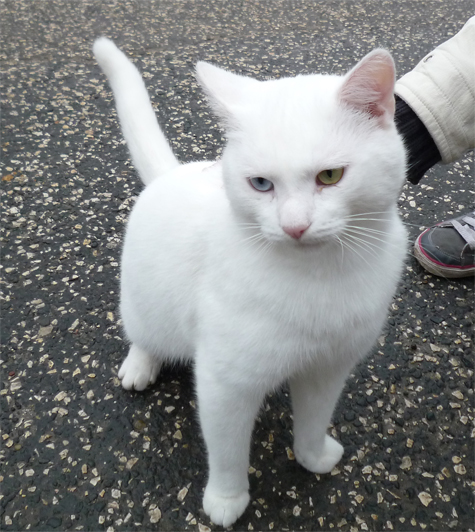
226, 91
369, 86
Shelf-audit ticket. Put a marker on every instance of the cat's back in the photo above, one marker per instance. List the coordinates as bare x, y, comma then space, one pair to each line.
174, 204
187, 184
170, 218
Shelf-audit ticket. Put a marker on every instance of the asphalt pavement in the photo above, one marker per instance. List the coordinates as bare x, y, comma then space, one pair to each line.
80, 453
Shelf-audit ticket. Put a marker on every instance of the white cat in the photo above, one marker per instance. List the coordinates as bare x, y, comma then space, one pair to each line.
276, 263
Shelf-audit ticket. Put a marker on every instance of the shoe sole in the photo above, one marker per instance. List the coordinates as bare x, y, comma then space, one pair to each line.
449, 272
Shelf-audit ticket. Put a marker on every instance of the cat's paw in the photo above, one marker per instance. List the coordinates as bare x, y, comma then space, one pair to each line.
323, 461
224, 510
138, 370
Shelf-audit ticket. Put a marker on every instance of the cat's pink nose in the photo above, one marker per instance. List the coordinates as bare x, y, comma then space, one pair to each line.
295, 232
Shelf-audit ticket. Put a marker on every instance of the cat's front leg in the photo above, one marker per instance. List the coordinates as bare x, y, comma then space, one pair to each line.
314, 396
227, 412
139, 369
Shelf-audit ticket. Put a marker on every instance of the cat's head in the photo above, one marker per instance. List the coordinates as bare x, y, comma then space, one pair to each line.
307, 156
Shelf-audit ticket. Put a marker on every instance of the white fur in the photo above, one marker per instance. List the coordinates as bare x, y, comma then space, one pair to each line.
150, 151
210, 274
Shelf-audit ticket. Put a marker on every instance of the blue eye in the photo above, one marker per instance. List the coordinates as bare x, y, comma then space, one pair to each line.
261, 184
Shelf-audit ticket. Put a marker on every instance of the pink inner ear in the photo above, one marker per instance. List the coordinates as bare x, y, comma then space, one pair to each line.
369, 87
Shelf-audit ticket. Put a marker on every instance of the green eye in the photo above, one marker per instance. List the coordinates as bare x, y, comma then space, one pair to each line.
330, 177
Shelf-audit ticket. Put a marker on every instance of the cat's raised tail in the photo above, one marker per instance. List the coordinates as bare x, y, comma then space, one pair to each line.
150, 151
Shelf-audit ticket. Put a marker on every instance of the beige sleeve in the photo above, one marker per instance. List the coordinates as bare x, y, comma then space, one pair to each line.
441, 91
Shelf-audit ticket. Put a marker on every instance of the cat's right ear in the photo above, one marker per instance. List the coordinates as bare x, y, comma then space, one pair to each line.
226, 92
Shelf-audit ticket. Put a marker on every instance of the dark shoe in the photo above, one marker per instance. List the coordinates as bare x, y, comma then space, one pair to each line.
448, 248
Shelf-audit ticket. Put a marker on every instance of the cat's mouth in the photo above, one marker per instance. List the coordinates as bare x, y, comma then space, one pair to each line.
311, 238
304, 242
314, 238
315, 241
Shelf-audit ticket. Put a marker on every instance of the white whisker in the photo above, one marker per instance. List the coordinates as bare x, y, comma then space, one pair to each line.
264, 247
357, 253
367, 232
351, 216
362, 231
253, 238
368, 229
362, 217
363, 244
248, 224
342, 249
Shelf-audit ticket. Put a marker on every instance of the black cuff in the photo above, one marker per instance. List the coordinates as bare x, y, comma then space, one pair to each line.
422, 153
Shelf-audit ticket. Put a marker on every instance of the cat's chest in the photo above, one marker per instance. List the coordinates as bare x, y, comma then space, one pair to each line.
278, 293
277, 319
